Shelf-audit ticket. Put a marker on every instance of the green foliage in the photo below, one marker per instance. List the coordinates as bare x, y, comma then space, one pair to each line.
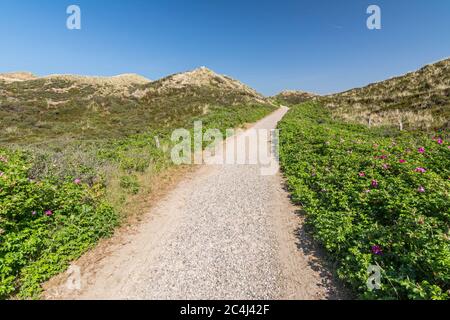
373, 197
291, 98
44, 224
130, 183
228, 118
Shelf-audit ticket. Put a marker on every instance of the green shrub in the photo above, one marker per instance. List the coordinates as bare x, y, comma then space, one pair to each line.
44, 224
373, 197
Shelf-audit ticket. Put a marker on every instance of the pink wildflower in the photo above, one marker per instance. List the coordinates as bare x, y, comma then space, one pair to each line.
421, 150
77, 181
377, 250
362, 174
48, 213
421, 170
375, 183
402, 161
421, 189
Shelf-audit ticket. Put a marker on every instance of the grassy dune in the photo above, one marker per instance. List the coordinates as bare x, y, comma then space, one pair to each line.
417, 100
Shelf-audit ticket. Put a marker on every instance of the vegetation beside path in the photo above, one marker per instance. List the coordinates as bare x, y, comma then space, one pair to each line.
58, 197
373, 197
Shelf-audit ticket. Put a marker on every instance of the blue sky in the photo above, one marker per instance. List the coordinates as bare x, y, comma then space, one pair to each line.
317, 45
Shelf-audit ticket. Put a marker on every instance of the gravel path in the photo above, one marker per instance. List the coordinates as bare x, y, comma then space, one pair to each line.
225, 232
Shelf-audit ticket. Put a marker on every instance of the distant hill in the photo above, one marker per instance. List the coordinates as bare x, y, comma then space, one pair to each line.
196, 92
290, 97
17, 76
78, 107
419, 100
114, 81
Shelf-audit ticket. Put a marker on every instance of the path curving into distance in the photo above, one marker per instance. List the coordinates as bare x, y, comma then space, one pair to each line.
224, 232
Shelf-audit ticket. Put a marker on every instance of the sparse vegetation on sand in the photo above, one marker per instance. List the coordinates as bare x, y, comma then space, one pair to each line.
417, 100
290, 97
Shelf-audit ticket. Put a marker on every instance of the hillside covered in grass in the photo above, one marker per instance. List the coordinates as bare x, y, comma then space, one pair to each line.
373, 197
61, 108
417, 100
76, 153
290, 97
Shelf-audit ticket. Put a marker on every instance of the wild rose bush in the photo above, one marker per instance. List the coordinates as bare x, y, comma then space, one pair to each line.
373, 197
44, 224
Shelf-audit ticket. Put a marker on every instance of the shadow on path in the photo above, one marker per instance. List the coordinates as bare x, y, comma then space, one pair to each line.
318, 259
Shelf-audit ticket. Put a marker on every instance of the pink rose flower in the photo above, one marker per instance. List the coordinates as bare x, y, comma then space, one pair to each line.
377, 250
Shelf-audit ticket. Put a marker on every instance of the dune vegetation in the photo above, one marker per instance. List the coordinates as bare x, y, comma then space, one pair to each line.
417, 100
373, 197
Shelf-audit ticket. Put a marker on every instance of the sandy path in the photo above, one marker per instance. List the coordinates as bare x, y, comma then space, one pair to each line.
225, 232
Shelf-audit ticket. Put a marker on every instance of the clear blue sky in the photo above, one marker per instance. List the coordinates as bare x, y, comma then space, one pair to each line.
317, 45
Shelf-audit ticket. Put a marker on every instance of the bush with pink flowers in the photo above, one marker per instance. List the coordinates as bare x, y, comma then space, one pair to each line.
44, 224
377, 197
